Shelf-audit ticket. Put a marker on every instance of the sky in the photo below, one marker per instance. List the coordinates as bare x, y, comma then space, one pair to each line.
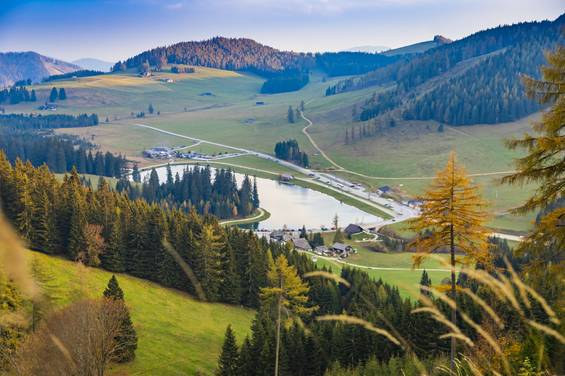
116, 29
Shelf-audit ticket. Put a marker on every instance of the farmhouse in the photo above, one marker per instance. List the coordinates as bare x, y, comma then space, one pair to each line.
322, 250
285, 177
384, 189
353, 229
158, 153
414, 204
342, 250
301, 244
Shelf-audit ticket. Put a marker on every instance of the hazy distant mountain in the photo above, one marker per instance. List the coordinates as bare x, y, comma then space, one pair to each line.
94, 64
369, 49
15, 66
419, 47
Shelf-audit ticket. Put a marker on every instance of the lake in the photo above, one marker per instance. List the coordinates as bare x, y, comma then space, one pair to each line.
293, 206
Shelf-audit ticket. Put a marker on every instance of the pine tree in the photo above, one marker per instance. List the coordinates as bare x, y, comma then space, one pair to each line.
33, 97
228, 364
136, 176
54, 95
452, 216
286, 292
290, 115
113, 290
112, 258
544, 162
150, 109
62, 94
426, 282
256, 201
127, 338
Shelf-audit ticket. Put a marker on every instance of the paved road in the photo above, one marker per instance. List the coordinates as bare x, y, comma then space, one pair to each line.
398, 211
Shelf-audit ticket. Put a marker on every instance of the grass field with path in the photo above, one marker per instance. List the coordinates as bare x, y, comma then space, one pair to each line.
226, 107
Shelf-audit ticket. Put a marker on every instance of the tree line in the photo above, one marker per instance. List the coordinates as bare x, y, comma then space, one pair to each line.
290, 151
489, 91
17, 94
285, 81
75, 74
22, 121
196, 189
59, 153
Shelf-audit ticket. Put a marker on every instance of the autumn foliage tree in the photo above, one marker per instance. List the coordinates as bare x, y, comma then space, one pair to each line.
452, 217
286, 295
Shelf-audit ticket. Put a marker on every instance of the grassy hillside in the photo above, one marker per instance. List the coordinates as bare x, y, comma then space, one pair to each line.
178, 335
229, 114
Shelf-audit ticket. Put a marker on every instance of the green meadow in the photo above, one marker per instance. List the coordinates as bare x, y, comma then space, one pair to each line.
177, 334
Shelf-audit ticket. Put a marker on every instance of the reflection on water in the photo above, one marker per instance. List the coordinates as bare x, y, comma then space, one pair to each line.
294, 206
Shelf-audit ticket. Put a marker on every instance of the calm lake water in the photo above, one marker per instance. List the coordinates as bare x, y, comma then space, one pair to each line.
292, 205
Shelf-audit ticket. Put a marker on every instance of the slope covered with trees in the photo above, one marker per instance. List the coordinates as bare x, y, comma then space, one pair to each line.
59, 153
473, 80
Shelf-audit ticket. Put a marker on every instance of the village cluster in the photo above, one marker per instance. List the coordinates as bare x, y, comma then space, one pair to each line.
336, 249
163, 152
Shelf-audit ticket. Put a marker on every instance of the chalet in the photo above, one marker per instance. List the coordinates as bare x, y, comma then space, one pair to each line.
342, 250
282, 236
285, 177
384, 189
353, 229
322, 250
158, 153
414, 204
301, 244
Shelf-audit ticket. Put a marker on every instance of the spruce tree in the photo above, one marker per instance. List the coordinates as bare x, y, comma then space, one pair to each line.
62, 94
290, 115
256, 201
228, 364
54, 95
127, 338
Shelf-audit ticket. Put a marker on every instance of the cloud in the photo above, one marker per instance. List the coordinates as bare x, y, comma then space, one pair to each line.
175, 6
326, 6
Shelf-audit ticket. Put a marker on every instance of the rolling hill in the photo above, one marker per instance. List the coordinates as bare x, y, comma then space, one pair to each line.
417, 48
94, 64
475, 80
15, 66
177, 334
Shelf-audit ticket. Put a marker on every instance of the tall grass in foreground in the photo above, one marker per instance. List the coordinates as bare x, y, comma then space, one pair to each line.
505, 302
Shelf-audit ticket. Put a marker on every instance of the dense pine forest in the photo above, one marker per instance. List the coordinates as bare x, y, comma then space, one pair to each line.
21, 121
196, 190
487, 66
290, 151
17, 94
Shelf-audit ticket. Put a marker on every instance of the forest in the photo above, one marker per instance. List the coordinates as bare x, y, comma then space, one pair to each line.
21, 121
75, 74
285, 81
195, 189
290, 151
59, 153
497, 59
17, 94
107, 229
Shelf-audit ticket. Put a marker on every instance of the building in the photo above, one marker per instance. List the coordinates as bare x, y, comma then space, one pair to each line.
301, 244
353, 229
323, 250
285, 177
384, 189
414, 204
341, 250
158, 153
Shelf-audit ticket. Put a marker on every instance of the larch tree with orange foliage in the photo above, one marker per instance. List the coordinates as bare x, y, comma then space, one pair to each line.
452, 217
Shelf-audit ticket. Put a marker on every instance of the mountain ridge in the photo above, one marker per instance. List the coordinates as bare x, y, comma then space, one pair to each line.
16, 66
